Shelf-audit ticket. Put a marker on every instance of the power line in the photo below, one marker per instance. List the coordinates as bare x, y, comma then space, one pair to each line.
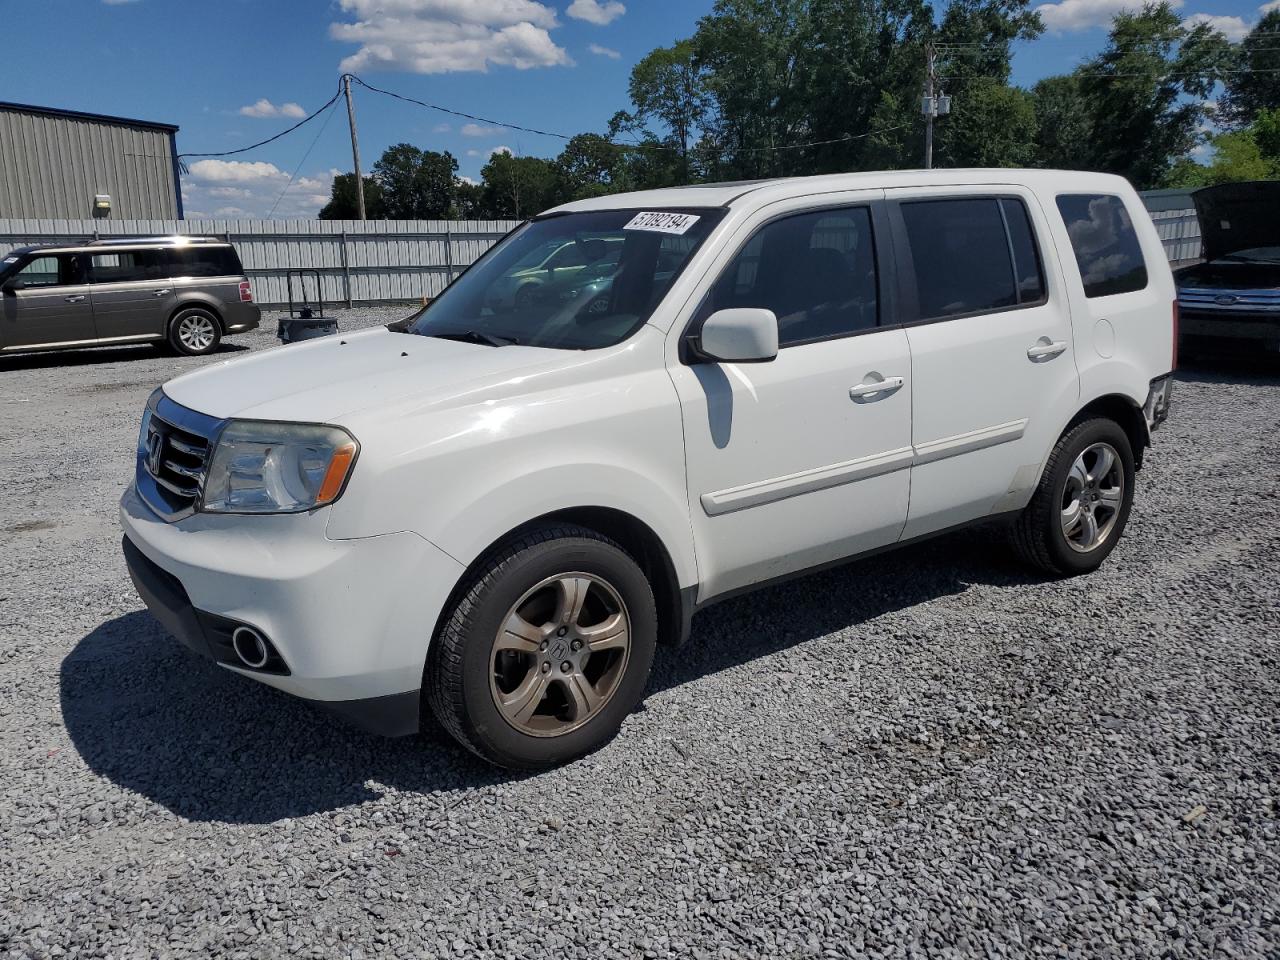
293, 176
263, 143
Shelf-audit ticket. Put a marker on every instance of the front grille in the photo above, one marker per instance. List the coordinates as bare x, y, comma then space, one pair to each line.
173, 458
1229, 301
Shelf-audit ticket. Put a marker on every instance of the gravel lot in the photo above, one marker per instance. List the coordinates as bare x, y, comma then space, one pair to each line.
930, 753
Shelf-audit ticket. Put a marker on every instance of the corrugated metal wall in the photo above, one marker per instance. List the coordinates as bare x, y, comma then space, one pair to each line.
358, 261
1180, 232
52, 166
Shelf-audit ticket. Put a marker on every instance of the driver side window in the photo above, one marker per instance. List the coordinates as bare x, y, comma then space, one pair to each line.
815, 271
44, 272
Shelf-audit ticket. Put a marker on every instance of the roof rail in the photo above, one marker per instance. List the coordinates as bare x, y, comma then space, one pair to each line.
176, 240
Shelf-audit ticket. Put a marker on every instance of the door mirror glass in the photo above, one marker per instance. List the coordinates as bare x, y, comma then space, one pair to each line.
740, 335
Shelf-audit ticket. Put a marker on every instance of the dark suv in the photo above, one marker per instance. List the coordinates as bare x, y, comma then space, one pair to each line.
187, 292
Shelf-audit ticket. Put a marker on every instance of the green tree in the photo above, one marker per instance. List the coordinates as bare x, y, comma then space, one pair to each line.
591, 165
520, 187
1254, 85
416, 184
343, 204
1063, 123
670, 85
992, 125
1146, 91
1250, 153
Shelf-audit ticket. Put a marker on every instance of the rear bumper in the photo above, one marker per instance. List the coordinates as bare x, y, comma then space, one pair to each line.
242, 317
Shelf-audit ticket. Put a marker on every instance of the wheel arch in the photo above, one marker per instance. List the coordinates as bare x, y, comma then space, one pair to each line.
637, 538
1124, 411
195, 300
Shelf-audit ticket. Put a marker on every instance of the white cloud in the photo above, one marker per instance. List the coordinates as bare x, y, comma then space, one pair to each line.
445, 128
615, 55
475, 130
116, 3
1084, 14
593, 11
1268, 7
445, 36
242, 189
265, 109
488, 153
1234, 28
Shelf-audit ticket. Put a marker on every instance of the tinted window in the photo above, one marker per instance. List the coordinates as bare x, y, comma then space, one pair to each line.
1026, 256
204, 262
1106, 247
961, 255
815, 271
42, 272
128, 266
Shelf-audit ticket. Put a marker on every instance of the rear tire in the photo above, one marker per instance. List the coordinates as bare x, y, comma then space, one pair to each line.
1082, 504
546, 650
194, 332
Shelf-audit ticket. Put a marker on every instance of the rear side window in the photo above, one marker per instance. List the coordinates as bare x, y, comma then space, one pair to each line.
972, 255
128, 266
1106, 246
815, 271
204, 262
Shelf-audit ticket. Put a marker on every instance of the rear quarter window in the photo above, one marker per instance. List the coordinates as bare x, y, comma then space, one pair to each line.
1105, 244
205, 262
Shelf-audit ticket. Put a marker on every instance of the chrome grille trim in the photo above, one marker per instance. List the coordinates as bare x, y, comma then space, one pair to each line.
170, 477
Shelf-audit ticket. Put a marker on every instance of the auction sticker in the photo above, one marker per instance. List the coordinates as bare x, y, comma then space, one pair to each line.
677, 223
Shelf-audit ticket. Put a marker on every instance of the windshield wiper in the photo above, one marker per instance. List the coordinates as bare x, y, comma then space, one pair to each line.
477, 336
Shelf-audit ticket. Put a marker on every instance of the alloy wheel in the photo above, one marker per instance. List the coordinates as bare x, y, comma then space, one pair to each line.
196, 332
560, 654
1092, 498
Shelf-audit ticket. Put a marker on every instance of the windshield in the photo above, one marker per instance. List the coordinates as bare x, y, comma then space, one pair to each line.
577, 281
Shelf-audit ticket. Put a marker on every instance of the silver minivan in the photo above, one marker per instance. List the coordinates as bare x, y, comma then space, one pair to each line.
187, 292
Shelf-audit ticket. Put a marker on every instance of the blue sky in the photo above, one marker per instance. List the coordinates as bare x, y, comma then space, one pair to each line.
231, 72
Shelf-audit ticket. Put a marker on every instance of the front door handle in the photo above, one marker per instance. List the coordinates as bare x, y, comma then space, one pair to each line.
876, 389
79, 298
1045, 349
161, 293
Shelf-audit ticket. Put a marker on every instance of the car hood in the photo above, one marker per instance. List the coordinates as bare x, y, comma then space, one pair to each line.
321, 380
1238, 216
1229, 276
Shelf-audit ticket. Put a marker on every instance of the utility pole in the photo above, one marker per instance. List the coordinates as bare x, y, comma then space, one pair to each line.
355, 146
934, 104
930, 106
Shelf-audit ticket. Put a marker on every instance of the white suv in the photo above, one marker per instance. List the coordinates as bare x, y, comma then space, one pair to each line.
500, 511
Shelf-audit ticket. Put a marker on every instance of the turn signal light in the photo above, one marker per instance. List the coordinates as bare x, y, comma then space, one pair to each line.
336, 475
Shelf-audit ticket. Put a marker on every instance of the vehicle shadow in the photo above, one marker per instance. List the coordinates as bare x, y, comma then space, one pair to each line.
94, 356
212, 746
1223, 366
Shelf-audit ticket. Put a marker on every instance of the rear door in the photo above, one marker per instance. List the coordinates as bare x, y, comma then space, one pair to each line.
46, 303
993, 364
133, 294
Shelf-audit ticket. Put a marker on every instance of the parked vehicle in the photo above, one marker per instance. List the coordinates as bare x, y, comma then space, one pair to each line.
1234, 294
187, 292
551, 269
499, 513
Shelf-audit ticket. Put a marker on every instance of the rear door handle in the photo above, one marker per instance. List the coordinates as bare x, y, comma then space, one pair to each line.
876, 389
1046, 349
79, 298
161, 293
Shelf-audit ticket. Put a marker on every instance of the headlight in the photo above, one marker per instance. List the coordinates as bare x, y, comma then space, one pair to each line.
260, 467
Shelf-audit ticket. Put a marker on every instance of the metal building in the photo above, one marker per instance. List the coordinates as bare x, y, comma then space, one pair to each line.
66, 165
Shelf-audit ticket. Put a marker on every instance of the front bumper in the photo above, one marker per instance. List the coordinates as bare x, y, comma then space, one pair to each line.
350, 620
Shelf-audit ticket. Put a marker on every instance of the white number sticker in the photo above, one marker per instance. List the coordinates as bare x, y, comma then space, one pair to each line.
677, 223
10, 259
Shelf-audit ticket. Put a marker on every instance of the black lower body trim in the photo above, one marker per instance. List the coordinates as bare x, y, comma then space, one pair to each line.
395, 715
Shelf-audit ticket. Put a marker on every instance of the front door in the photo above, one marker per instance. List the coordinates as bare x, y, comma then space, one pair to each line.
46, 303
804, 459
133, 293
992, 358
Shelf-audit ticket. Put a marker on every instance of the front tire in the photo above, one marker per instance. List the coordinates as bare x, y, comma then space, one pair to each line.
194, 332
1082, 504
547, 649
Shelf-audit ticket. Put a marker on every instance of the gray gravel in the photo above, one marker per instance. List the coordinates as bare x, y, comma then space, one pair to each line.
929, 753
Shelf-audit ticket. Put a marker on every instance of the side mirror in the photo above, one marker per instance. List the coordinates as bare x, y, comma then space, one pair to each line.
740, 335
12, 286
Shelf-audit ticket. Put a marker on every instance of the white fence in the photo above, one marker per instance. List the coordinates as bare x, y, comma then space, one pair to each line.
357, 261
1179, 232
